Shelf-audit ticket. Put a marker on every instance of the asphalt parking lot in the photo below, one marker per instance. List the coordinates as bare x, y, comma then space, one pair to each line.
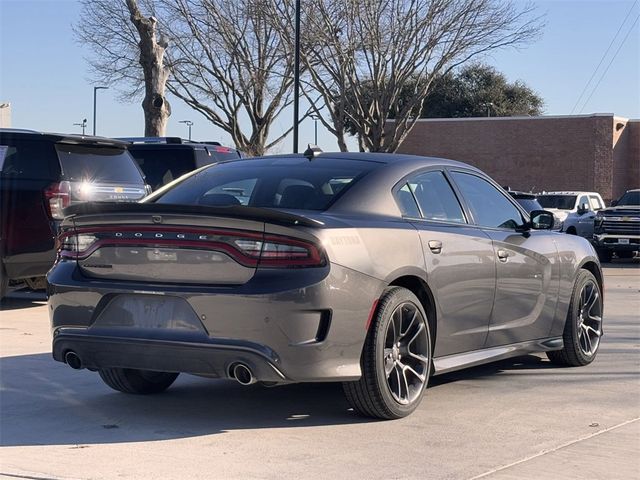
517, 419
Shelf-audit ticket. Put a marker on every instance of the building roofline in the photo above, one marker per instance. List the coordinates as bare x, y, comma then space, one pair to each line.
520, 117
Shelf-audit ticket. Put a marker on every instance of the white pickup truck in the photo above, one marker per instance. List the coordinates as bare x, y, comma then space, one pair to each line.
575, 212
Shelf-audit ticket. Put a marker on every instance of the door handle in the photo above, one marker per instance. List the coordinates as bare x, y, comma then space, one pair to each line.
503, 255
435, 246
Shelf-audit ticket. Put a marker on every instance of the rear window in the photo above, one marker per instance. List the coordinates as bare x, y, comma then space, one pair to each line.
529, 204
218, 154
290, 183
97, 164
163, 164
562, 202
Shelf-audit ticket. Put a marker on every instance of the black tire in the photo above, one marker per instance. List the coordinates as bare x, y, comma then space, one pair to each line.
604, 255
4, 281
144, 382
571, 231
372, 395
573, 353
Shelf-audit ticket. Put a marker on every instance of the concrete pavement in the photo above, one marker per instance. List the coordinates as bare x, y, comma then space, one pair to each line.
517, 419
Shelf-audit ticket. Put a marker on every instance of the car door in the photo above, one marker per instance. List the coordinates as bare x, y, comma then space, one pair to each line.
584, 225
527, 268
459, 260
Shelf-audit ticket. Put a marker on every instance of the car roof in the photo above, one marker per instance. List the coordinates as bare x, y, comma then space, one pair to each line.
375, 157
61, 137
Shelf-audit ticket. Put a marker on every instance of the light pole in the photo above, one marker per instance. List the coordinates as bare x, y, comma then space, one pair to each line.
95, 91
315, 128
188, 123
296, 79
83, 124
489, 105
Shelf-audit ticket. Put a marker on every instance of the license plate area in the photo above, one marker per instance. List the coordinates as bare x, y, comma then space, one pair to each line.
623, 241
143, 312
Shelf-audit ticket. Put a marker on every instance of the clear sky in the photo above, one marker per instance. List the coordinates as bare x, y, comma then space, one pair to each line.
44, 76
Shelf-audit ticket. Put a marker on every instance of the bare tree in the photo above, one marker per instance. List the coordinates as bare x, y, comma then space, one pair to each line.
128, 48
228, 59
232, 64
387, 44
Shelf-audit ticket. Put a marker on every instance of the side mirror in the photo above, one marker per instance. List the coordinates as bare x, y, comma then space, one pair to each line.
583, 208
614, 203
542, 220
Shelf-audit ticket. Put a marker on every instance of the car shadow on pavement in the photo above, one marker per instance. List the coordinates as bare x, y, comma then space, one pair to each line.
46, 403
23, 298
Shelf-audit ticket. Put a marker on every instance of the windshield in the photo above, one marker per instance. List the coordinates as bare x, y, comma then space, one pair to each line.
82, 163
630, 198
562, 202
278, 182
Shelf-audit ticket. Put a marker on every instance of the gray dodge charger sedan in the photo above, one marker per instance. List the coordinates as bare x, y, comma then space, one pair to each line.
374, 270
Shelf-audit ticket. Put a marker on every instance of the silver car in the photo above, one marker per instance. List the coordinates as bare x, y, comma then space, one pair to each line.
375, 270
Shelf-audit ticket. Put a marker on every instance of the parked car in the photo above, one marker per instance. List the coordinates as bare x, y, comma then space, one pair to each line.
376, 270
163, 159
575, 211
528, 201
42, 173
617, 228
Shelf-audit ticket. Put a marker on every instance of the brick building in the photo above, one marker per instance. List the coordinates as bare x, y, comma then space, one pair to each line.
599, 152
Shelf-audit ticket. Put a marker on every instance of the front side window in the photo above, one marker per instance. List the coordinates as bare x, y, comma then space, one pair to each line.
436, 198
489, 207
583, 201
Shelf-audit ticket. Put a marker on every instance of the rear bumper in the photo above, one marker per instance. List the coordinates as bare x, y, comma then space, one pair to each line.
306, 326
211, 358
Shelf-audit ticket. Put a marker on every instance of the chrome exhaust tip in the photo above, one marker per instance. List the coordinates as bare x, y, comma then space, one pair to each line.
73, 360
242, 373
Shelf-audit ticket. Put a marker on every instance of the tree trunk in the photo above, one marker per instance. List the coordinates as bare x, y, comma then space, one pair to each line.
155, 104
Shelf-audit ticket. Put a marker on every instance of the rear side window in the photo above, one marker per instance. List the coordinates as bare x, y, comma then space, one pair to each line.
162, 165
562, 202
97, 164
489, 207
290, 183
596, 203
29, 159
436, 198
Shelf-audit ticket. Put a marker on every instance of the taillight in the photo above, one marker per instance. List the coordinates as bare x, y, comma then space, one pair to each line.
247, 248
57, 197
277, 251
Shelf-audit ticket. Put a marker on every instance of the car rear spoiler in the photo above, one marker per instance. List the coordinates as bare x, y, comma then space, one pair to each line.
233, 211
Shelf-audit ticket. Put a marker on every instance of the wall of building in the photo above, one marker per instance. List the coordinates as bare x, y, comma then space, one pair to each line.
535, 153
626, 154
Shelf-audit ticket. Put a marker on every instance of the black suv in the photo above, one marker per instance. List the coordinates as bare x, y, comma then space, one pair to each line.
163, 159
40, 175
617, 228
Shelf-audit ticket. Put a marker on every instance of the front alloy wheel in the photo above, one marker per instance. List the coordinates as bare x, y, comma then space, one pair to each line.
583, 327
396, 358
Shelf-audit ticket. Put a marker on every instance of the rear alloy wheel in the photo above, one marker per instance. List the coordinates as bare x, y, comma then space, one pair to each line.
583, 328
396, 359
129, 380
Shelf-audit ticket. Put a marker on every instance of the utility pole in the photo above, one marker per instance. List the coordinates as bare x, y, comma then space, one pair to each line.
95, 91
296, 79
315, 128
